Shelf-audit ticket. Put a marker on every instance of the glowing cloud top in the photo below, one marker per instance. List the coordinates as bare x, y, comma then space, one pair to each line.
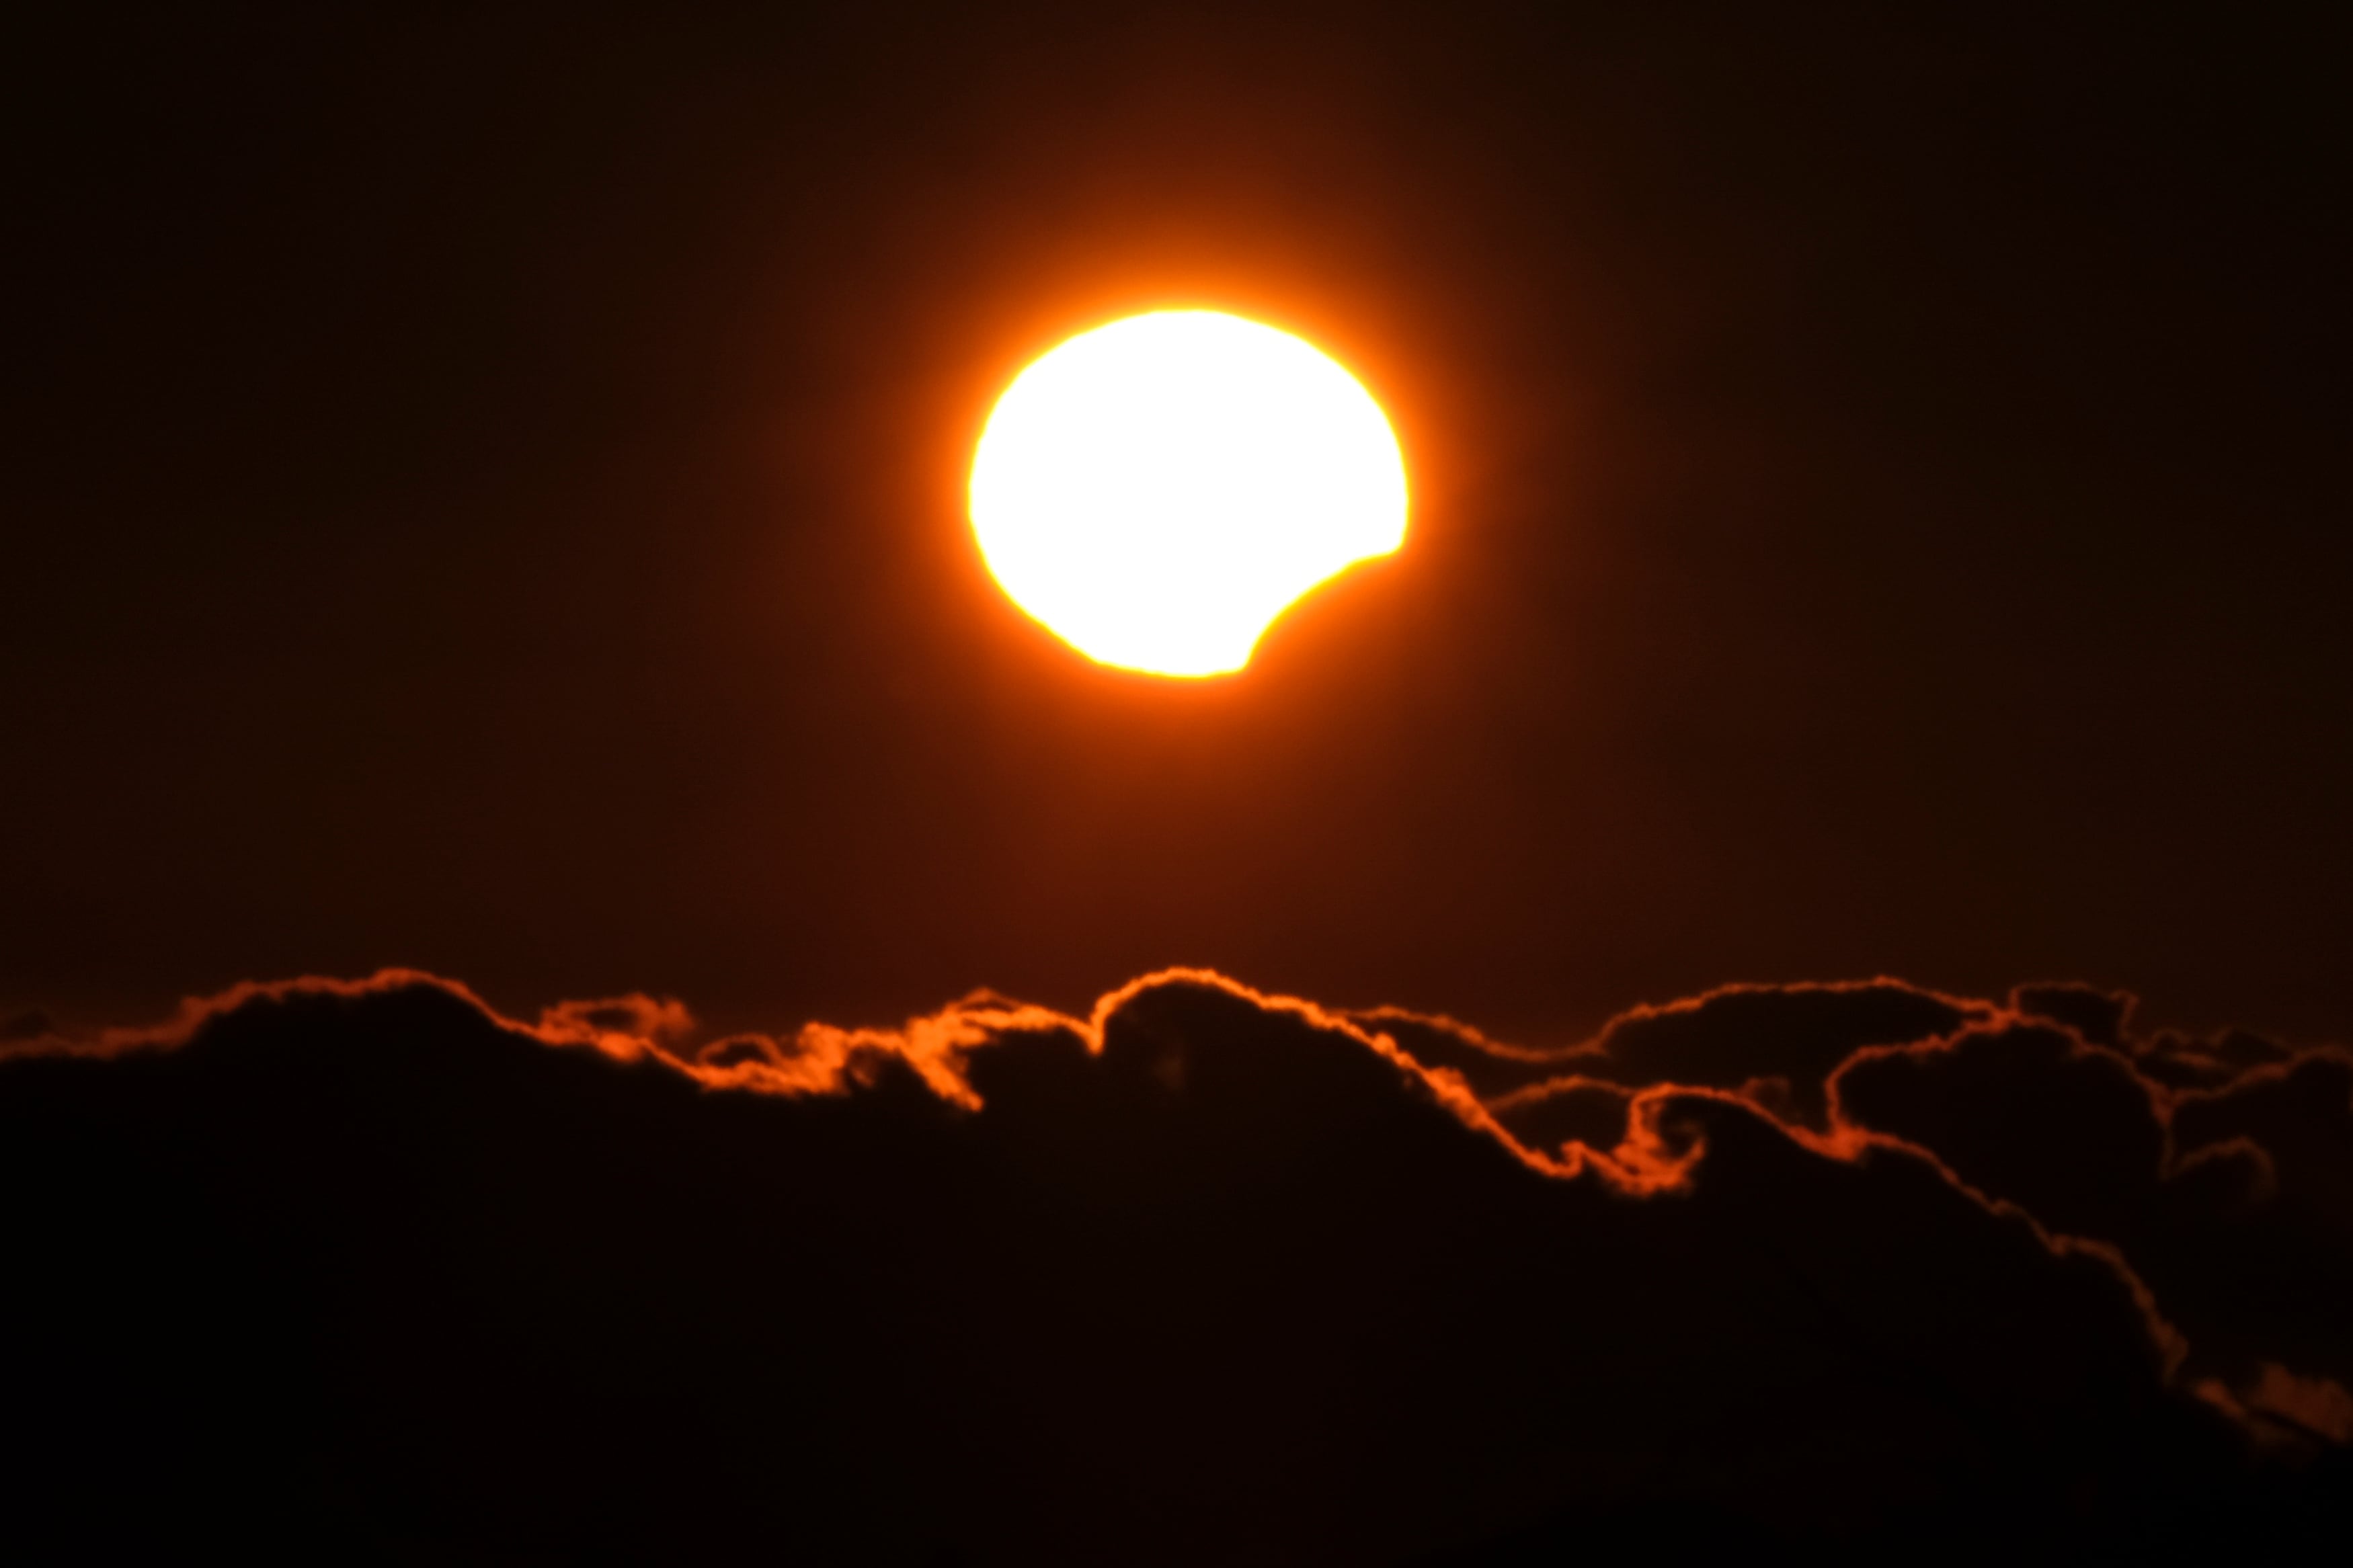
1158, 491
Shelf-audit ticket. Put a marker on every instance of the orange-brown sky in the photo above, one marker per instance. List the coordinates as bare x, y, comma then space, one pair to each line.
484, 495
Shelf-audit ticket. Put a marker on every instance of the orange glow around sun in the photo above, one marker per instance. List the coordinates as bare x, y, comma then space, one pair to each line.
1158, 491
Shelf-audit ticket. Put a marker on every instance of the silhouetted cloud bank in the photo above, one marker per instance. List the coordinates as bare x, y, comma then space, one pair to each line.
366, 1272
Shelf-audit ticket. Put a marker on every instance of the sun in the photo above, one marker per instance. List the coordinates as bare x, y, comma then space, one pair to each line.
1158, 491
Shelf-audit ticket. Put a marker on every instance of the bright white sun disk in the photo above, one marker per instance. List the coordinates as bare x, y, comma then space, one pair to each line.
1158, 491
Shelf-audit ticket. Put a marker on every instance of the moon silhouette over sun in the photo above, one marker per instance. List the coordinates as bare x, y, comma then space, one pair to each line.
1157, 491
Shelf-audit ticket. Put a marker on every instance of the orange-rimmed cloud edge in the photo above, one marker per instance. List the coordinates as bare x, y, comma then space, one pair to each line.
1883, 1068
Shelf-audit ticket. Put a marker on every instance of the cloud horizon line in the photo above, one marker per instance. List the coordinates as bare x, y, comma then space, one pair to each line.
1445, 1058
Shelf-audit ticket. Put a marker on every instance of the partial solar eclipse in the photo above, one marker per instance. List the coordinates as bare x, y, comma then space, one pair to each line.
1158, 491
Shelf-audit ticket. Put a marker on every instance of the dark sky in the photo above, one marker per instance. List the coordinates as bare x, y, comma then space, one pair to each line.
483, 493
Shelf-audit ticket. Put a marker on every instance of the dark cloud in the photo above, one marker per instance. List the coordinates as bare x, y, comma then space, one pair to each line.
1776, 1045
26, 1025
368, 1272
2234, 1201
2096, 1016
